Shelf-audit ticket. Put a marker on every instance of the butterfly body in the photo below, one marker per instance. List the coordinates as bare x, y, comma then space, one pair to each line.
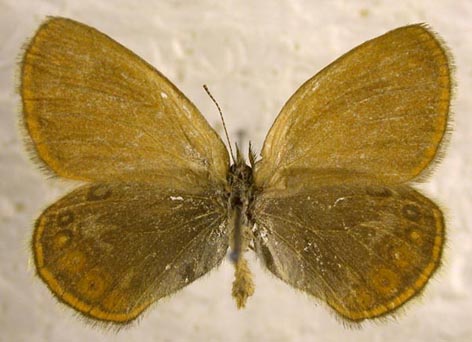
240, 202
329, 208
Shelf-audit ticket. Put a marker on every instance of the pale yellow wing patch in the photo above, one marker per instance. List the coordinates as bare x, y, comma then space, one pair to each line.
96, 111
110, 250
379, 110
364, 250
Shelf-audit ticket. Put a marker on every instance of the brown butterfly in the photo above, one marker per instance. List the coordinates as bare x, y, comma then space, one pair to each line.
328, 209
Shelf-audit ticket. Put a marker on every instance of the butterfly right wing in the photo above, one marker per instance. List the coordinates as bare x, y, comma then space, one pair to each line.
110, 250
96, 111
364, 250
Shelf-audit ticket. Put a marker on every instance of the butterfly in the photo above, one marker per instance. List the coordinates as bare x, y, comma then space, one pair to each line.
328, 208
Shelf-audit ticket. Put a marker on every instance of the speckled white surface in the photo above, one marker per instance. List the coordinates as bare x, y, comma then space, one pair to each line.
253, 55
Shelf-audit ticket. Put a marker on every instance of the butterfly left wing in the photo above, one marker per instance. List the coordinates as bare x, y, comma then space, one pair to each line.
364, 250
379, 110
110, 250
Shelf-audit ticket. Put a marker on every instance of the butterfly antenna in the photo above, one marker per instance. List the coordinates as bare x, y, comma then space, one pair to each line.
222, 120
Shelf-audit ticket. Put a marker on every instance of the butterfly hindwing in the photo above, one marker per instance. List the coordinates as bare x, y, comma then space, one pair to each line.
364, 250
110, 250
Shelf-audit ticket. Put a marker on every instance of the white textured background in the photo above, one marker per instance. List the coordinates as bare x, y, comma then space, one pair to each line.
253, 55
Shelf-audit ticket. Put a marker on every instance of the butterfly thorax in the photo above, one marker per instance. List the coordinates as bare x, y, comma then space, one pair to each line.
240, 180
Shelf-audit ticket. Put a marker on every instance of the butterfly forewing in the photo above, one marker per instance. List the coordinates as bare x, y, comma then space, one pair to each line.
110, 250
96, 111
364, 250
381, 110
